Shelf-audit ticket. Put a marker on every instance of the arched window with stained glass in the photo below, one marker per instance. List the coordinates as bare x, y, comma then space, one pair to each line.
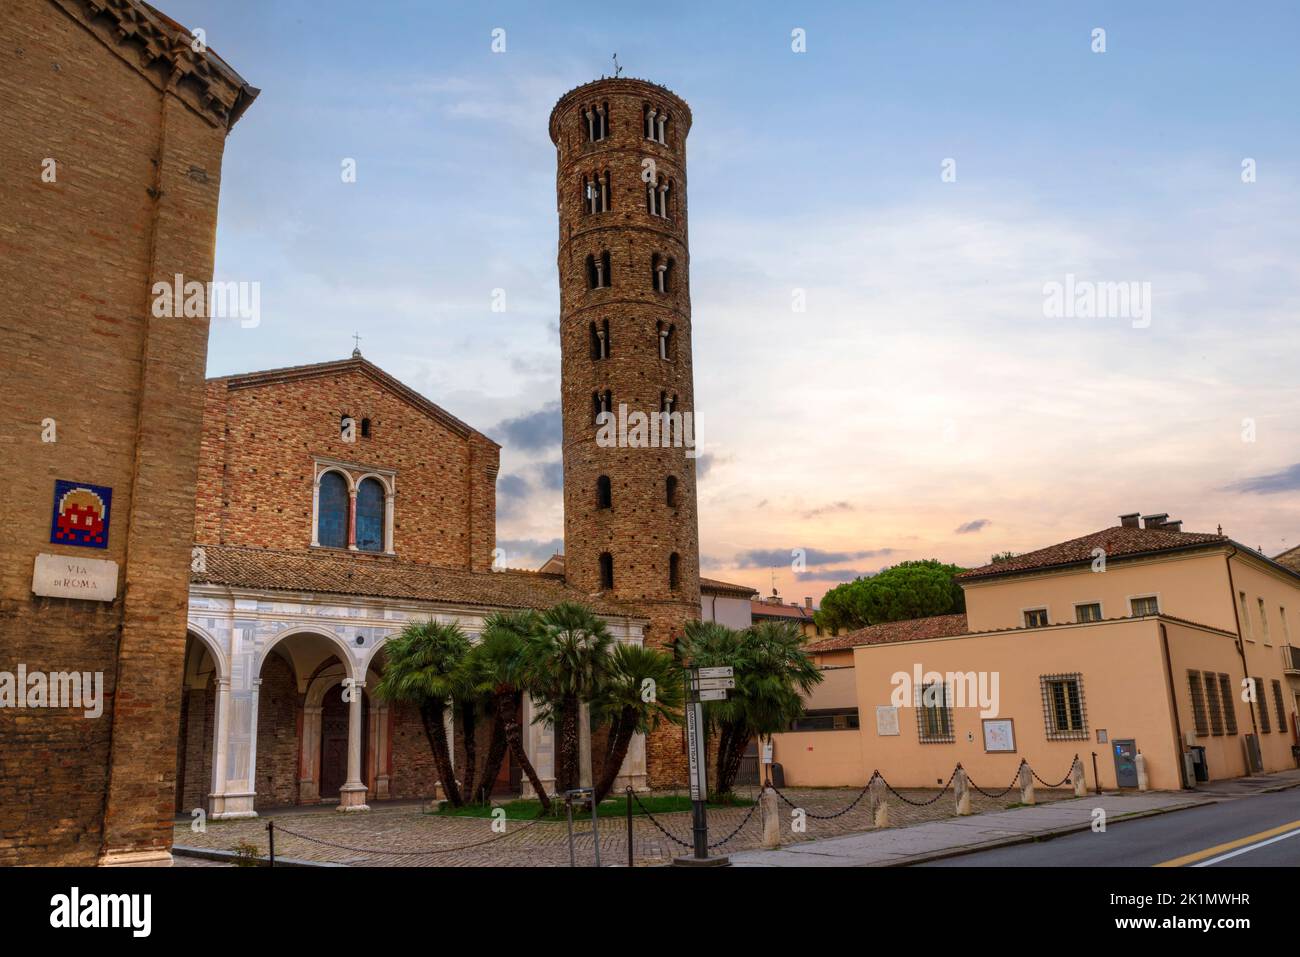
332, 523
370, 516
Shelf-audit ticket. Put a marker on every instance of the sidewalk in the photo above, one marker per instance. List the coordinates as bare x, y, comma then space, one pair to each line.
893, 847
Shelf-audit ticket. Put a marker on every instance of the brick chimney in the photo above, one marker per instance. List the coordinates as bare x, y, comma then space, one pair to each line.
1130, 520
807, 602
1156, 520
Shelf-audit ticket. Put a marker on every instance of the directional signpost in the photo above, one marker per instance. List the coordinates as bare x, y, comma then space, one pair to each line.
702, 684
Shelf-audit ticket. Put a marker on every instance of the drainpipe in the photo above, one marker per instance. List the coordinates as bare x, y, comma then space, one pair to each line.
1173, 703
1241, 641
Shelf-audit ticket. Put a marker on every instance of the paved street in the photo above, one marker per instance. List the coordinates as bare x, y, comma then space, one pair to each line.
1227, 834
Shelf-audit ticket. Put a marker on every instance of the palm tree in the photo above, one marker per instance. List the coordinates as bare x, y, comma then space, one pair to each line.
772, 672
642, 688
498, 664
563, 664
423, 669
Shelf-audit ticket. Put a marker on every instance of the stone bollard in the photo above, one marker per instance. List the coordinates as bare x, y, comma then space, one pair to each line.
878, 802
961, 786
771, 815
1076, 775
1026, 784
1140, 762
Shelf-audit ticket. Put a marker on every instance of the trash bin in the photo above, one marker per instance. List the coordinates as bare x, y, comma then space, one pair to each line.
1198, 763
778, 776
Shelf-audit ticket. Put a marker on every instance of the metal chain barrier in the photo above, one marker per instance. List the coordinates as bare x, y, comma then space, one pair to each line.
752, 808
374, 852
829, 817
1015, 781
920, 803
663, 830
1062, 782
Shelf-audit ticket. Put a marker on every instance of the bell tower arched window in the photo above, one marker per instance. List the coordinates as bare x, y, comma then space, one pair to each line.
670, 491
332, 520
595, 192
597, 118
600, 339
606, 570
598, 275
674, 571
667, 341
604, 493
370, 516
661, 273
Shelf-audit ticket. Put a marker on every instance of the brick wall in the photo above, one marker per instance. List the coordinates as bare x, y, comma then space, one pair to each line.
279, 716
259, 447
640, 529
134, 200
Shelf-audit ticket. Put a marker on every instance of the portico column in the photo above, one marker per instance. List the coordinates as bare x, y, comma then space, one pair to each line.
352, 519
220, 742
352, 796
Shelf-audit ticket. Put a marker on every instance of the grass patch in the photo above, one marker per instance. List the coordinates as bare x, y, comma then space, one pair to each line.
524, 810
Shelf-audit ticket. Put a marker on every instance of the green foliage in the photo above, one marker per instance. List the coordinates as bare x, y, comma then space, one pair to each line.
1002, 557
642, 684
565, 658
916, 589
423, 664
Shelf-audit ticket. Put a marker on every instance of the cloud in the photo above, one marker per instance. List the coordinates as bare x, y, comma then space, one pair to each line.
533, 431
529, 552
769, 557
834, 574
827, 509
978, 525
703, 462
552, 474
512, 486
1287, 480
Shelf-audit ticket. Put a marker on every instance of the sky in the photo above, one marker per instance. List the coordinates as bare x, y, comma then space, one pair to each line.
921, 179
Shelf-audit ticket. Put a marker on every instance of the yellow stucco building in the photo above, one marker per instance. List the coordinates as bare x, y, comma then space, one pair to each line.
1137, 638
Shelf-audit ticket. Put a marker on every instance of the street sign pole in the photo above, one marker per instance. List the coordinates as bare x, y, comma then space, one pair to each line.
697, 692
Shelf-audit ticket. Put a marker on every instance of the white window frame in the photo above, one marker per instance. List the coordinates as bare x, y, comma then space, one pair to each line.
1024, 613
1160, 607
1101, 610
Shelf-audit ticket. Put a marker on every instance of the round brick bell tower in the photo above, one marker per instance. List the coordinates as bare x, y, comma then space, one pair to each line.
630, 523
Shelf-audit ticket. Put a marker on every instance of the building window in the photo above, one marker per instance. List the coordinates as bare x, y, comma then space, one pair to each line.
1147, 605
600, 340
1036, 618
655, 124
1246, 630
661, 273
1286, 628
658, 197
1279, 706
1198, 703
597, 119
595, 192
670, 490
606, 570
370, 516
365, 428
332, 515
1261, 699
934, 713
674, 571
604, 494
1088, 612
667, 341
347, 428
598, 275
1063, 708
827, 719
667, 403
1263, 621
601, 402
1229, 704
1214, 700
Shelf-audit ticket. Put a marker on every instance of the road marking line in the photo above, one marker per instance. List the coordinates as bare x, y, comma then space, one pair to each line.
1238, 846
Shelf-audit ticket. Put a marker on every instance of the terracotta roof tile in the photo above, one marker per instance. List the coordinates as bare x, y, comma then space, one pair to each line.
1289, 559
937, 626
721, 587
764, 609
1119, 541
380, 577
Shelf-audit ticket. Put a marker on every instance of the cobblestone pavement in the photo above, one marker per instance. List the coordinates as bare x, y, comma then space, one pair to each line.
406, 836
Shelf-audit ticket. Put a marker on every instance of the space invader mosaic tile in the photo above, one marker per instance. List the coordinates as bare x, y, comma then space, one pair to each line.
81, 514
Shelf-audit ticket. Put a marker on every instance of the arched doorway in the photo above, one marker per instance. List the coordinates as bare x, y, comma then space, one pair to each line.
334, 719
196, 734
